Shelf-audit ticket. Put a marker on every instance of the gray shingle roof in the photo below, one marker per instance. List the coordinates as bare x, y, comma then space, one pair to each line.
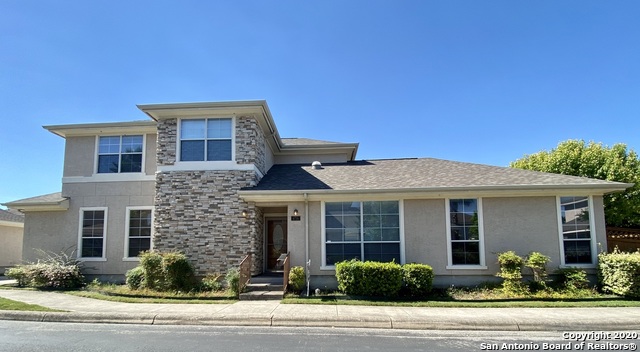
46, 198
424, 173
10, 215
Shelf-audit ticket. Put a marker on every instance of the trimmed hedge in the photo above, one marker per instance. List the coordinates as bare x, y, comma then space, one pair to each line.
619, 273
369, 278
418, 279
165, 271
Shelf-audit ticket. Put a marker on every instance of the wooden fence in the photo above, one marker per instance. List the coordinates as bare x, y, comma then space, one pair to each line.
627, 240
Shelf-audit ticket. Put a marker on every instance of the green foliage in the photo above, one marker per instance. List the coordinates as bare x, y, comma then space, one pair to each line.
163, 271
178, 272
211, 283
537, 262
369, 278
232, 279
417, 278
134, 278
53, 271
18, 273
577, 158
571, 279
297, 279
619, 273
151, 263
511, 271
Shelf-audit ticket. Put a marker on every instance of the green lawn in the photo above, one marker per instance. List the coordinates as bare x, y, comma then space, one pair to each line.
8, 304
121, 293
478, 298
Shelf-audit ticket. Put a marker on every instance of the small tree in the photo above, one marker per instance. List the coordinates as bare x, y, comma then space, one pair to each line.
511, 271
594, 160
537, 262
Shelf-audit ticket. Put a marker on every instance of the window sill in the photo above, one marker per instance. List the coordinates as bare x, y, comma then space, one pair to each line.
92, 259
581, 266
466, 267
327, 268
130, 259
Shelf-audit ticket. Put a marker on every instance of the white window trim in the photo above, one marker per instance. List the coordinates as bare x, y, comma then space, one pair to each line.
592, 232
104, 235
450, 265
110, 175
127, 229
323, 250
203, 164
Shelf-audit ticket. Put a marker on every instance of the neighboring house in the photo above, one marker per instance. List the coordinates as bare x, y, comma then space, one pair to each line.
11, 229
217, 182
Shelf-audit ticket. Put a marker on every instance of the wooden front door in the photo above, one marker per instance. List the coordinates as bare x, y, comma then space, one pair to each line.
276, 242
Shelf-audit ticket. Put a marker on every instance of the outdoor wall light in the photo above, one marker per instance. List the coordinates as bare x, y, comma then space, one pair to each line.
244, 213
295, 212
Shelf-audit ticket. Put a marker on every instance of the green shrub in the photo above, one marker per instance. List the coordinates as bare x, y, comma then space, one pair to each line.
151, 263
211, 282
571, 279
18, 273
417, 278
134, 278
54, 271
232, 279
537, 262
178, 272
369, 278
511, 271
297, 279
619, 273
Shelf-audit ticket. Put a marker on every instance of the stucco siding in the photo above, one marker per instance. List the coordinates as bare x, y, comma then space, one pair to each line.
150, 154
522, 225
79, 156
309, 158
425, 233
58, 231
10, 245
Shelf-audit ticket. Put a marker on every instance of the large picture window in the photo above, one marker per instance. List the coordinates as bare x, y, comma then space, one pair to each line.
368, 231
576, 230
92, 232
139, 223
206, 140
464, 225
119, 154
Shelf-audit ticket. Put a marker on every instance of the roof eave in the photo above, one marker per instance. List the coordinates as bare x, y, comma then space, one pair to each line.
60, 205
432, 192
91, 129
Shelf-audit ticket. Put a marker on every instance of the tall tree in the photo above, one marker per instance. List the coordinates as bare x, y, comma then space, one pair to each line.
594, 160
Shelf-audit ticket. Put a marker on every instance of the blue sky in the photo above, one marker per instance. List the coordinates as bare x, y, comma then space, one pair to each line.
475, 81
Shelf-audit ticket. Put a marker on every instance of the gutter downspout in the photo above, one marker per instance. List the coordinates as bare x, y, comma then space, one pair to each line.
306, 240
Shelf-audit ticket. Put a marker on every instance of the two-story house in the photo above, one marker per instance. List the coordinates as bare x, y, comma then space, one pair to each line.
217, 182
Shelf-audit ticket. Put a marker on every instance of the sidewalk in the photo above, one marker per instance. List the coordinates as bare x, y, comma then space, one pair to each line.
272, 313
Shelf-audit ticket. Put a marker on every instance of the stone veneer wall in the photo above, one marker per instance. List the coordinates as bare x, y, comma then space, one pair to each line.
250, 143
200, 214
167, 139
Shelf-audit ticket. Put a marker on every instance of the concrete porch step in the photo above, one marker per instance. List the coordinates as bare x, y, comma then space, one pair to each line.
262, 296
252, 287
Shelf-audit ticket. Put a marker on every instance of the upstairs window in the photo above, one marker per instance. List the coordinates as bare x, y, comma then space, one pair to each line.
119, 154
206, 140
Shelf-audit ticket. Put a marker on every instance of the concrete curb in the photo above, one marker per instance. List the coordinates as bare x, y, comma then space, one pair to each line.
374, 322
